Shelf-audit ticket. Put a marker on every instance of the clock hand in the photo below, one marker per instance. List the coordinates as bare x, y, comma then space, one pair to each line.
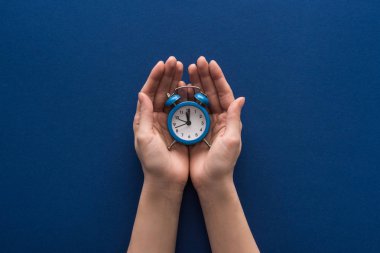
181, 120
188, 115
180, 125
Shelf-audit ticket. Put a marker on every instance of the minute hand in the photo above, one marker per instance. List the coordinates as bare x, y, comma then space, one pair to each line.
180, 125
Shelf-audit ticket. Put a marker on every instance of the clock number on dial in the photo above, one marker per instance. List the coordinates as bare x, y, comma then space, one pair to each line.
188, 123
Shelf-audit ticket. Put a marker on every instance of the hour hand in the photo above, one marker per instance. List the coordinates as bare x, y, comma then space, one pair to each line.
188, 115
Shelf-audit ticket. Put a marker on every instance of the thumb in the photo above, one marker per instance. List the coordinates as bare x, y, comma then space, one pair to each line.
146, 113
233, 122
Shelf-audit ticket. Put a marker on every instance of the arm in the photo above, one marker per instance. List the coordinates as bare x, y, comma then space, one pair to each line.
155, 228
165, 173
227, 226
211, 170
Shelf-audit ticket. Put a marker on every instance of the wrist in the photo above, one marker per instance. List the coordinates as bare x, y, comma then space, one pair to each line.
216, 187
153, 184
218, 196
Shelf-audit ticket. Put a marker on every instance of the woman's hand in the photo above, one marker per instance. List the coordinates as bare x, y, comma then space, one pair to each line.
211, 170
211, 167
167, 170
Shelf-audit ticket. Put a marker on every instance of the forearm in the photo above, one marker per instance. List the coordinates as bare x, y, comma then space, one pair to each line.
227, 226
155, 227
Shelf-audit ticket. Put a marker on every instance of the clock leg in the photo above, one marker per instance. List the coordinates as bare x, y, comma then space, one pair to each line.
171, 145
208, 144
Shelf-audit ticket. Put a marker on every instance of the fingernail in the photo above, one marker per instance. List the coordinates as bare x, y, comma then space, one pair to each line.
202, 58
243, 101
140, 97
170, 58
158, 63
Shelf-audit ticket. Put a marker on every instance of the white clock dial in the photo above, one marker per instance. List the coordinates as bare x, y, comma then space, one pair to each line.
188, 123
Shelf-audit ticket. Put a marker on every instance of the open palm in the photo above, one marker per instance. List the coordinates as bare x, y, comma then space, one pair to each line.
212, 165
160, 165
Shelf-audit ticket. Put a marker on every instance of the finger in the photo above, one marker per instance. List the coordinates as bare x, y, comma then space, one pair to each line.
153, 80
208, 85
164, 86
145, 124
177, 77
194, 79
194, 75
233, 122
190, 92
136, 119
225, 94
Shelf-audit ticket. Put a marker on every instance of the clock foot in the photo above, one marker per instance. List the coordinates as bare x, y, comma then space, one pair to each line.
208, 144
171, 145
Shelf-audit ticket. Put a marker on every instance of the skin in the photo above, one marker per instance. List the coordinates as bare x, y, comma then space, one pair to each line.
160, 166
165, 172
211, 170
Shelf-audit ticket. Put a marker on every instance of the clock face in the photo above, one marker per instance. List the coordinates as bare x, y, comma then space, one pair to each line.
189, 123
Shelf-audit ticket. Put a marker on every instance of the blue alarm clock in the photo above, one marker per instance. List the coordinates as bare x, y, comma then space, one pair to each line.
189, 121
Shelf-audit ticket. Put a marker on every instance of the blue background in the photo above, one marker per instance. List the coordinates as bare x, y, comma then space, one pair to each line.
308, 176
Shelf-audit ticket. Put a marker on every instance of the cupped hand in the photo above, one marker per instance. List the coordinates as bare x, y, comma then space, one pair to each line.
210, 167
163, 168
